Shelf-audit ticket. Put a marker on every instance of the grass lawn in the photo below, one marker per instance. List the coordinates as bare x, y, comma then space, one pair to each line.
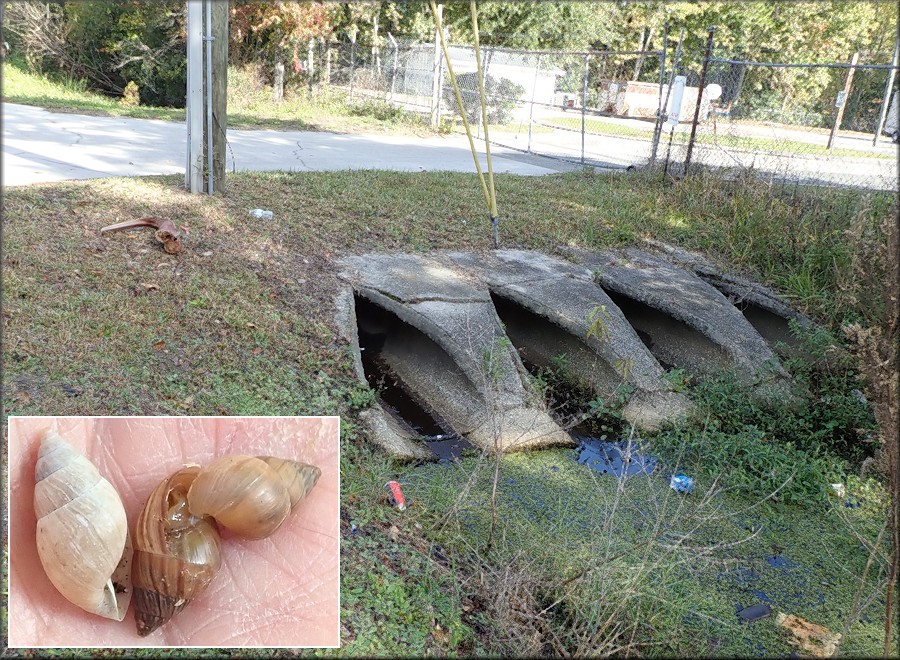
241, 322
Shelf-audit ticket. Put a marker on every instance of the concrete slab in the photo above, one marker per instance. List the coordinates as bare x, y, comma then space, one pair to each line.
685, 321
490, 396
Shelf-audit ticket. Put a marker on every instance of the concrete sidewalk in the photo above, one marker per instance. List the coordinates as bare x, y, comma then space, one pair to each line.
41, 146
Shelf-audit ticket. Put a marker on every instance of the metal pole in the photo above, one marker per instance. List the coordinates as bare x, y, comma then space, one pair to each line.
584, 88
537, 67
435, 82
194, 166
709, 45
887, 92
665, 106
843, 103
209, 110
662, 81
394, 70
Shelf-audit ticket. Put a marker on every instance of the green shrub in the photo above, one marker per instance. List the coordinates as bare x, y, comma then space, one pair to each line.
131, 96
500, 95
828, 414
748, 460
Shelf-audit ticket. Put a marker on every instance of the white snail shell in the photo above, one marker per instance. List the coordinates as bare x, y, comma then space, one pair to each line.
82, 532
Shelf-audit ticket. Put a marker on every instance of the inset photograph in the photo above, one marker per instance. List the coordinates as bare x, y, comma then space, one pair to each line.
174, 531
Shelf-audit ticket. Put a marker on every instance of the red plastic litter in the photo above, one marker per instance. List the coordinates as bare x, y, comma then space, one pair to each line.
395, 495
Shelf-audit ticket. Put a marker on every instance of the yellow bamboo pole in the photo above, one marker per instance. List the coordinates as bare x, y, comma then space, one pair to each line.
484, 119
462, 108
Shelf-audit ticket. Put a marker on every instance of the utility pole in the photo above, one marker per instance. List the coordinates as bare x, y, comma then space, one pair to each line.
842, 100
193, 173
886, 103
207, 83
219, 18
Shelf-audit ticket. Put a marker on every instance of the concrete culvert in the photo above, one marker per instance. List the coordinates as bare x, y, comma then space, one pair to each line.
552, 308
388, 349
675, 344
448, 347
542, 343
766, 311
688, 323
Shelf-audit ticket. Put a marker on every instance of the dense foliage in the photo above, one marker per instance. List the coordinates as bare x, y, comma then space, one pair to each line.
111, 43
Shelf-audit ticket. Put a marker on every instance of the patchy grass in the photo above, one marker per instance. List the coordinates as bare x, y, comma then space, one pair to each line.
604, 553
241, 322
66, 95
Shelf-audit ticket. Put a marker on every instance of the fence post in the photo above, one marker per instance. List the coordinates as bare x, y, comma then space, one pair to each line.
843, 101
352, 63
278, 85
537, 68
328, 64
885, 104
657, 128
709, 45
435, 69
584, 87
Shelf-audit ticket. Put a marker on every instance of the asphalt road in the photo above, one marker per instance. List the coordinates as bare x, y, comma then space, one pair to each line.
41, 146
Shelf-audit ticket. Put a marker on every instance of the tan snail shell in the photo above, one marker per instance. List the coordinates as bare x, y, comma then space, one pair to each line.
176, 555
82, 531
177, 544
251, 496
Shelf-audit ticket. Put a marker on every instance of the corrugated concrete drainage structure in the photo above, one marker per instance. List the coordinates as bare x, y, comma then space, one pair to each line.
451, 351
454, 328
685, 322
767, 313
548, 307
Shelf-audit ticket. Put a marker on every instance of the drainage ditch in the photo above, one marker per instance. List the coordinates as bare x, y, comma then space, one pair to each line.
580, 389
377, 329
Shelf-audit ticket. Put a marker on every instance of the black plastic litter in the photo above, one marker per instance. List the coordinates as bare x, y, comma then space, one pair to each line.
754, 613
615, 458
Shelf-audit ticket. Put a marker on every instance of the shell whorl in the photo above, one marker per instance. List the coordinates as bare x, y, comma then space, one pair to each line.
82, 532
251, 496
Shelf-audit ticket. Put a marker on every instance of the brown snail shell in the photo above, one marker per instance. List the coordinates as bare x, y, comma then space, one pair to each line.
82, 532
251, 496
177, 554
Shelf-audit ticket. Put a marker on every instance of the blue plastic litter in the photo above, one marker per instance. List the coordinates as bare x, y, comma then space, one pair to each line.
754, 613
682, 483
779, 561
614, 458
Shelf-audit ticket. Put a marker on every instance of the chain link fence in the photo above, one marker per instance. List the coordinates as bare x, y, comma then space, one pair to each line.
793, 124
609, 108
582, 107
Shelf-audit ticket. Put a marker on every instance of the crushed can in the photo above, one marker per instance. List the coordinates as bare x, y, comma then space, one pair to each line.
395, 495
682, 483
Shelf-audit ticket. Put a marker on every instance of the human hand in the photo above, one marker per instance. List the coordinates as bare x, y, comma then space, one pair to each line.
278, 591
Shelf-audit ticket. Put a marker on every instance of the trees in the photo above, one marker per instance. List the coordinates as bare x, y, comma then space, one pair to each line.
107, 44
267, 30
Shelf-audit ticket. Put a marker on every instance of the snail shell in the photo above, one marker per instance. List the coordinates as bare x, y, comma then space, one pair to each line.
82, 531
177, 554
251, 496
